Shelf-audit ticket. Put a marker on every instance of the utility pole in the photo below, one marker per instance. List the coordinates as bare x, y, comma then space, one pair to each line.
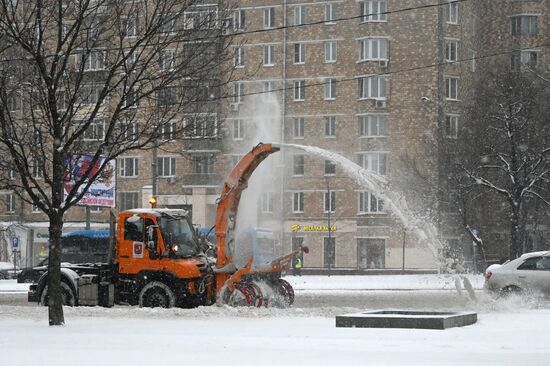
403, 260
331, 253
88, 217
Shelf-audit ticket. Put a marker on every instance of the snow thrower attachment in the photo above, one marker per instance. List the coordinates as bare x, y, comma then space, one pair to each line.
251, 285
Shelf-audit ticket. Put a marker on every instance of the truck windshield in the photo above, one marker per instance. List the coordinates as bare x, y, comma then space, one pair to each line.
178, 235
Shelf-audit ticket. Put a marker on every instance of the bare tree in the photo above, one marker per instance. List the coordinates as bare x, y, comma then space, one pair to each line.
505, 147
98, 78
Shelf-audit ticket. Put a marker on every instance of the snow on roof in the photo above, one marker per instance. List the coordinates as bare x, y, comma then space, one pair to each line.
535, 254
159, 211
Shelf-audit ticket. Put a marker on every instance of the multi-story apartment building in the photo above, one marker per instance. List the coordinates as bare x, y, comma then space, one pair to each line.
381, 82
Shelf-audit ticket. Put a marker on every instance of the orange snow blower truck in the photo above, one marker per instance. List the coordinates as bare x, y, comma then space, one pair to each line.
157, 260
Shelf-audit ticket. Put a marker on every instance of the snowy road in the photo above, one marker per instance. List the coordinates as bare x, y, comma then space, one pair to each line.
507, 333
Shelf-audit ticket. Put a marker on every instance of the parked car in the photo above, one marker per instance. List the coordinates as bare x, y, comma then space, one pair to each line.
7, 271
32, 274
528, 273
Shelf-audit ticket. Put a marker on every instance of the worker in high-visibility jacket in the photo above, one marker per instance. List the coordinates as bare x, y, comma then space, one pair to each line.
297, 266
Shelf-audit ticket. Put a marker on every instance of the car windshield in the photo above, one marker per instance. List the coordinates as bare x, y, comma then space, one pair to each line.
178, 235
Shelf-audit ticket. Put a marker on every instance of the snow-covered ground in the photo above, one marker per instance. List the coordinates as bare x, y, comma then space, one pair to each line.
512, 332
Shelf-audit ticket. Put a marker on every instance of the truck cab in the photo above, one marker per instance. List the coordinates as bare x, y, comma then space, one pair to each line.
160, 245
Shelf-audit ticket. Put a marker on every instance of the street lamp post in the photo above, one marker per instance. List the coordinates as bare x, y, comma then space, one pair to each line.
331, 253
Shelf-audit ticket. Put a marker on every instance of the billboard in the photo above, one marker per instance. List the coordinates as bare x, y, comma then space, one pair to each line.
102, 190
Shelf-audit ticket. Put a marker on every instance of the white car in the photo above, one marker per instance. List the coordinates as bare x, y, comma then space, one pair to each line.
530, 272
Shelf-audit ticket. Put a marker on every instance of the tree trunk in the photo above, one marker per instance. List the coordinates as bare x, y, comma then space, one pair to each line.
55, 304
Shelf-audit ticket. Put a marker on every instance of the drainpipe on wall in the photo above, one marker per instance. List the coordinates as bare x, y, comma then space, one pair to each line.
283, 122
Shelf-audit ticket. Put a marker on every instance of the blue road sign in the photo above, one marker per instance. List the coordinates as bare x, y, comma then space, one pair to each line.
15, 243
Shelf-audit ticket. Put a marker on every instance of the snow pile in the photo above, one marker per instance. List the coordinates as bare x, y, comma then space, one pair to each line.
382, 282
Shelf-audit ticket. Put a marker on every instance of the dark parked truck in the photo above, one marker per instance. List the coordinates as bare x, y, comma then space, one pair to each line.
81, 246
157, 259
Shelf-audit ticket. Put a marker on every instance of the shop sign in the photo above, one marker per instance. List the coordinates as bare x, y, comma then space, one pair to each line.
296, 227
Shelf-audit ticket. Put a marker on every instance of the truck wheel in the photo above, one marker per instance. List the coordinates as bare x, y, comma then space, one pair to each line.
156, 294
68, 297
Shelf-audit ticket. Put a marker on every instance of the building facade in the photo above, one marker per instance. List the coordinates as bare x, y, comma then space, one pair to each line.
381, 82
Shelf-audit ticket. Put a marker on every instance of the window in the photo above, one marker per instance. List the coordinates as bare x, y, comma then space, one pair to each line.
89, 94
203, 164
237, 129
130, 130
452, 13
239, 57
95, 131
202, 18
298, 164
14, 102
299, 123
330, 126
269, 18
266, 202
201, 126
269, 55
10, 203
330, 89
375, 162
371, 253
524, 25
330, 51
373, 49
451, 90
297, 242
298, 202
166, 166
168, 131
536, 264
330, 167
329, 201
373, 125
372, 87
239, 19
166, 96
299, 53
37, 169
130, 97
299, 90
238, 92
128, 167
299, 15
235, 159
167, 59
330, 13
451, 126
169, 24
373, 10
525, 58
128, 26
94, 60
451, 50
127, 200
268, 86
329, 252
368, 203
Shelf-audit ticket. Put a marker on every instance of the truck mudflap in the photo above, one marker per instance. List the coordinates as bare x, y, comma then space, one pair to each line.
32, 295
